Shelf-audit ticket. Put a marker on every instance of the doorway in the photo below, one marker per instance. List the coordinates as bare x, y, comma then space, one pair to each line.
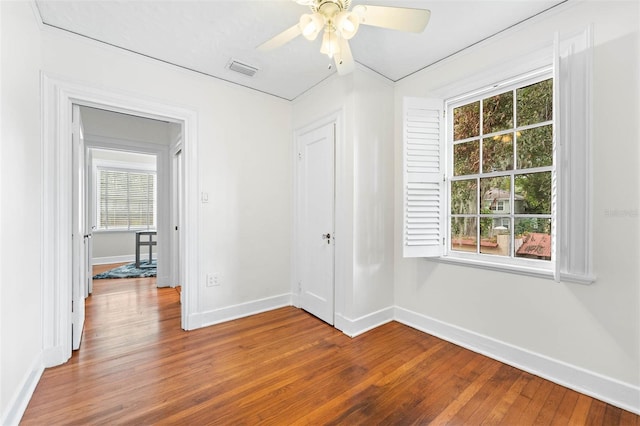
316, 219
125, 188
59, 96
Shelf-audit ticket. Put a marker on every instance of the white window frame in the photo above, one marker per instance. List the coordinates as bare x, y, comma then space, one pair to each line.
571, 64
127, 167
545, 267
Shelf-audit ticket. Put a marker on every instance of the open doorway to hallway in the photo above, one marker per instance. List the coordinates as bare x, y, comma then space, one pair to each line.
130, 206
60, 98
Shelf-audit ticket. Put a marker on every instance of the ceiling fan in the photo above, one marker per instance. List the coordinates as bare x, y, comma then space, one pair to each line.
339, 25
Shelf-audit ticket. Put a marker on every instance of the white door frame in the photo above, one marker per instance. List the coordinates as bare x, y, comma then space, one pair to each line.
341, 220
58, 96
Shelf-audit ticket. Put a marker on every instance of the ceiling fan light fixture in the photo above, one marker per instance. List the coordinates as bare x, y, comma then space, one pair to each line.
347, 24
311, 25
330, 44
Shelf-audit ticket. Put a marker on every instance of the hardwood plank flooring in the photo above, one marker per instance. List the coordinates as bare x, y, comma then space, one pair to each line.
136, 366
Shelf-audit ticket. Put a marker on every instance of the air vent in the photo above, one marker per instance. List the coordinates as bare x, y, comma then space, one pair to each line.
245, 69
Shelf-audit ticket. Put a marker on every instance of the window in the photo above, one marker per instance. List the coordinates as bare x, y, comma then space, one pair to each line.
126, 199
500, 192
503, 180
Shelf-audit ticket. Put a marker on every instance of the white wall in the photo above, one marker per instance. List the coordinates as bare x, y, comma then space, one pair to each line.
21, 225
364, 185
373, 189
127, 127
590, 327
244, 165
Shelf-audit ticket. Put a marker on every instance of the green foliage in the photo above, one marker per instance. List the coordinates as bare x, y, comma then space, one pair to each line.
466, 121
497, 153
497, 113
464, 196
536, 190
535, 147
466, 158
535, 103
486, 223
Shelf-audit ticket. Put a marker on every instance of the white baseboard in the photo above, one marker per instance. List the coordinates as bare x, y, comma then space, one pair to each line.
113, 259
53, 356
355, 327
20, 400
241, 310
612, 391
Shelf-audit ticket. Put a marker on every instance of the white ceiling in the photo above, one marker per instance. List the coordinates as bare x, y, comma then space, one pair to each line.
205, 35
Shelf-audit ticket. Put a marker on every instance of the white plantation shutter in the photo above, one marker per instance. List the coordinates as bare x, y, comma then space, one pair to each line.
423, 188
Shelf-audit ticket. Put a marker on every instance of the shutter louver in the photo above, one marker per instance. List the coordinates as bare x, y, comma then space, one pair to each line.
423, 178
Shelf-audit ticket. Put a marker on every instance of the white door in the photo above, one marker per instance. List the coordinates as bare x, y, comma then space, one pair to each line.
316, 218
89, 217
80, 236
176, 208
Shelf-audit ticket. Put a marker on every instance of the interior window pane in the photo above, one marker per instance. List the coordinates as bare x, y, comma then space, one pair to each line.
533, 238
466, 121
535, 147
496, 195
533, 193
466, 158
464, 196
535, 103
464, 234
497, 113
495, 236
497, 153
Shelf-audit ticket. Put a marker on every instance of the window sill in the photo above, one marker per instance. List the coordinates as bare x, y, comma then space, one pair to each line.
530, 271
120, 231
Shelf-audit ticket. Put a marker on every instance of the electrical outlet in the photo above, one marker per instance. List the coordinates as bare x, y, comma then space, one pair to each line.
213, 280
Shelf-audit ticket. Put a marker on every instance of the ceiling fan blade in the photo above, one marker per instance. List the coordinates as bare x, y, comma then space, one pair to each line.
344, 60
395, 18
283, 38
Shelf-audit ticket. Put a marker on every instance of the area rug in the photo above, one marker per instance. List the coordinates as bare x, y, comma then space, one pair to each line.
130, 271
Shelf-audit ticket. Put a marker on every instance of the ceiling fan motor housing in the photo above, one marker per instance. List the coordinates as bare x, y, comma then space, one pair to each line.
327, 7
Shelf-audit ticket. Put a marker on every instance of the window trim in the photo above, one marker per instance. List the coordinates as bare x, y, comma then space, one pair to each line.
128, 167
571, 56
510, 263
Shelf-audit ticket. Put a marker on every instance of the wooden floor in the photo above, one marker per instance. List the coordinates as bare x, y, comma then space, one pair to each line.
136, 366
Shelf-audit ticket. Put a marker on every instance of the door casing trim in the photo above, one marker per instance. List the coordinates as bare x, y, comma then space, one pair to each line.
58, 96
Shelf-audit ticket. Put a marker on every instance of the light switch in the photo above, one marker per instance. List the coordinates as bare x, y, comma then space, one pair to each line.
205, 197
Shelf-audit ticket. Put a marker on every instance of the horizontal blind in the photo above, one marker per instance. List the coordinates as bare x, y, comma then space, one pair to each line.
126, 199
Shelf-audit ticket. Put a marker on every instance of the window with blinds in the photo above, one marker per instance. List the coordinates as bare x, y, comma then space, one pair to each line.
126, 199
